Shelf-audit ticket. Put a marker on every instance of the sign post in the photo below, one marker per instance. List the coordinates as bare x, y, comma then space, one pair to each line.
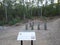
26, 36
21, 42
31, 42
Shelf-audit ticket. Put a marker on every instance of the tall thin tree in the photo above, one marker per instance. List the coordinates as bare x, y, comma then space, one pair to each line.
58, 1
41, 6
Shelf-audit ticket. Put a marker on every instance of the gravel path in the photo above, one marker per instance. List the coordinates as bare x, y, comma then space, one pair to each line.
43, 37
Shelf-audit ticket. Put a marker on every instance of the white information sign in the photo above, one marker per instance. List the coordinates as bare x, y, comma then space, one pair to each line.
26, 36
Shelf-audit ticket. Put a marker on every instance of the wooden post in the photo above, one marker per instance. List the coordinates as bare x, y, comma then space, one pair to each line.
45, 26
30, 24
32, 27
26, 27
33, 23
38, 27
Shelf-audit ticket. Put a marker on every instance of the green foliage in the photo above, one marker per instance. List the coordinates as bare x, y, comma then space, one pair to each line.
14, 21
17, 13
51, 10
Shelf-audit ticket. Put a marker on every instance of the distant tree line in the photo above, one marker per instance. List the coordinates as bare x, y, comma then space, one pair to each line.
15, 12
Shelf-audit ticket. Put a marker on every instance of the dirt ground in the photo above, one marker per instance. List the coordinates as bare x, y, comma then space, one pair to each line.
51, 36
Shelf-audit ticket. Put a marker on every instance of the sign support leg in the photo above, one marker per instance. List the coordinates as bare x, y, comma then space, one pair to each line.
31, 42
21, 42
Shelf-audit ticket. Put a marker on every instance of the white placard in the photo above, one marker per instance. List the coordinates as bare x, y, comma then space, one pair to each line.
26, 36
